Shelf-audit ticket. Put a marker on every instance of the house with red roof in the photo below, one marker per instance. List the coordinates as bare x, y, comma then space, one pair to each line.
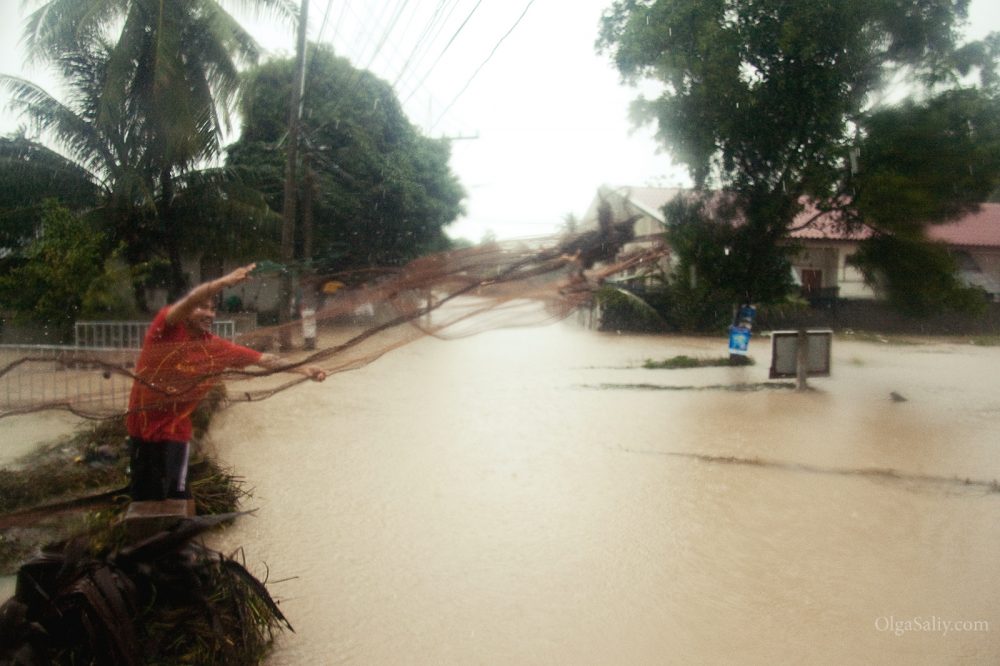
821, 265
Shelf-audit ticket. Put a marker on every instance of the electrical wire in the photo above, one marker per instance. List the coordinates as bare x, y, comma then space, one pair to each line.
443, 51
422, 41
483, 64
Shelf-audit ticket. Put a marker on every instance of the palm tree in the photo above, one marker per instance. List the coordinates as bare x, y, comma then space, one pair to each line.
107, 169
104, 145
171, 76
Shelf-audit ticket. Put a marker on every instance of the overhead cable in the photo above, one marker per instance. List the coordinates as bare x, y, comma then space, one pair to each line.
483, 64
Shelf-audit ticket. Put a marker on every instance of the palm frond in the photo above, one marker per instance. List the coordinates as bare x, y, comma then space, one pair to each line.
285, 10
81, 139
59, 26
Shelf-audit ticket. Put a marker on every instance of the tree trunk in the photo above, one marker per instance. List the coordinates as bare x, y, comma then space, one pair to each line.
178, 285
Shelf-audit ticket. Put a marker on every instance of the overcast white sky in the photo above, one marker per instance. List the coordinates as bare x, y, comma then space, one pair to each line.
550, 115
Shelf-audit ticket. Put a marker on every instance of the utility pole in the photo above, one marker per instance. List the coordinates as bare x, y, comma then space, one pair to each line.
288, 212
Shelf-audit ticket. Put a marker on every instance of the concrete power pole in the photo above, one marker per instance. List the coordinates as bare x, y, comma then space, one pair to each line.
288, 212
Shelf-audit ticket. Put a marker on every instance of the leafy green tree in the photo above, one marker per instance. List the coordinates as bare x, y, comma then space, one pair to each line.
374, 191
895, 263
63, 275
775, 103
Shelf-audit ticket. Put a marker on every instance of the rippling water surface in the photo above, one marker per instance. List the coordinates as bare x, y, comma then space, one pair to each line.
515, 498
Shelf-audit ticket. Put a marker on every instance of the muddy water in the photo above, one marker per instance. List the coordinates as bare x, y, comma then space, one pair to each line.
22, 435
514, 498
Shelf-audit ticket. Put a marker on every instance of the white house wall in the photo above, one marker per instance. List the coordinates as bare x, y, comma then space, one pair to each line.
832, 260
258, 294
988, 261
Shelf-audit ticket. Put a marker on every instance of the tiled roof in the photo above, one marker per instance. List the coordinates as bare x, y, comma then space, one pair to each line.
979, 229
824, 227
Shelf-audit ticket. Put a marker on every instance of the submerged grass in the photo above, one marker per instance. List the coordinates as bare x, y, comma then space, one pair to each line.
985, 340
739, 388
682, 361
92, 459
985, 485
881, 338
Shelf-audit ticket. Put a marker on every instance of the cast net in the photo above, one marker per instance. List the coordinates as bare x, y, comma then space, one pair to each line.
447, 295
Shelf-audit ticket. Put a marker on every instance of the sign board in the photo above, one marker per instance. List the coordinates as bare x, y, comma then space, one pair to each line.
785, 353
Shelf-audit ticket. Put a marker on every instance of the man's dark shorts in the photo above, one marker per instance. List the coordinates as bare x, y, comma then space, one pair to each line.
159, 470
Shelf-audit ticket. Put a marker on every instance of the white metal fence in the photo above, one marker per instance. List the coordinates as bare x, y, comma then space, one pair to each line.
84, 378
128, 334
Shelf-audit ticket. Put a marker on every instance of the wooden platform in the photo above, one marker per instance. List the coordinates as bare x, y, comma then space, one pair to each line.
144, 519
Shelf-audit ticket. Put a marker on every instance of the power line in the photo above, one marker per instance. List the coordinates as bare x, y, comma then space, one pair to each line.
483, 64
443, 51
388, 31
340, 21
422, 40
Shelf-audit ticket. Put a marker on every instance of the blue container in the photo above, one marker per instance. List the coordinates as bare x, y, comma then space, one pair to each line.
739, 340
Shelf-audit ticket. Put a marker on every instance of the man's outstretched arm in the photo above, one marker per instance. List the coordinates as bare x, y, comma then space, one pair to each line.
272, 362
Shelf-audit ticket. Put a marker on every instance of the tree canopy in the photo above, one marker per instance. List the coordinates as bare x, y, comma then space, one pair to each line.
109, 176
374, 190
778, 103
154, 84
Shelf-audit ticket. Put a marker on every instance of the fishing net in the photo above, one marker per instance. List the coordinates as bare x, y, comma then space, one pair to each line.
447, 295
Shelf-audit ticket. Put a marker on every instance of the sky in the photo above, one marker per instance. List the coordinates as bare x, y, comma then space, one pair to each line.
538, 119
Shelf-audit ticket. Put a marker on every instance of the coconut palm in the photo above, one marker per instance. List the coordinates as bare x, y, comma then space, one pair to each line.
108, 169
104, 146
170, 78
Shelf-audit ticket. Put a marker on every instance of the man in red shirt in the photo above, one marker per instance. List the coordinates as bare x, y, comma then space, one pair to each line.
180, 361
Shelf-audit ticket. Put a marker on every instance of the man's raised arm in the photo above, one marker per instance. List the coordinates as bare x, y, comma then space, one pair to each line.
204, 292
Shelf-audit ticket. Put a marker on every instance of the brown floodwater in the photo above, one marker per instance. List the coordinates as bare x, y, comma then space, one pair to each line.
25, 434
533, 496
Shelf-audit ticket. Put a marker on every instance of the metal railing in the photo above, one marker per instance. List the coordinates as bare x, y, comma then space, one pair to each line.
128, 334
86, 379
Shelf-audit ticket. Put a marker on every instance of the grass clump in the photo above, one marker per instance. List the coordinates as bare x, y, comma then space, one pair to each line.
92, 459
682, 362
868, 336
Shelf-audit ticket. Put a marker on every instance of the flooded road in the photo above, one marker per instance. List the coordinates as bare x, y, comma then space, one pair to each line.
517, 498
23, 435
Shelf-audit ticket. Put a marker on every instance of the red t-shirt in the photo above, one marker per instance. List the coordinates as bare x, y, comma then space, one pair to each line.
176, 368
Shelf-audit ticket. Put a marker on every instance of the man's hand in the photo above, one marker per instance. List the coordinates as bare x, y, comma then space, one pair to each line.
272, 362
313, 372
239, 275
